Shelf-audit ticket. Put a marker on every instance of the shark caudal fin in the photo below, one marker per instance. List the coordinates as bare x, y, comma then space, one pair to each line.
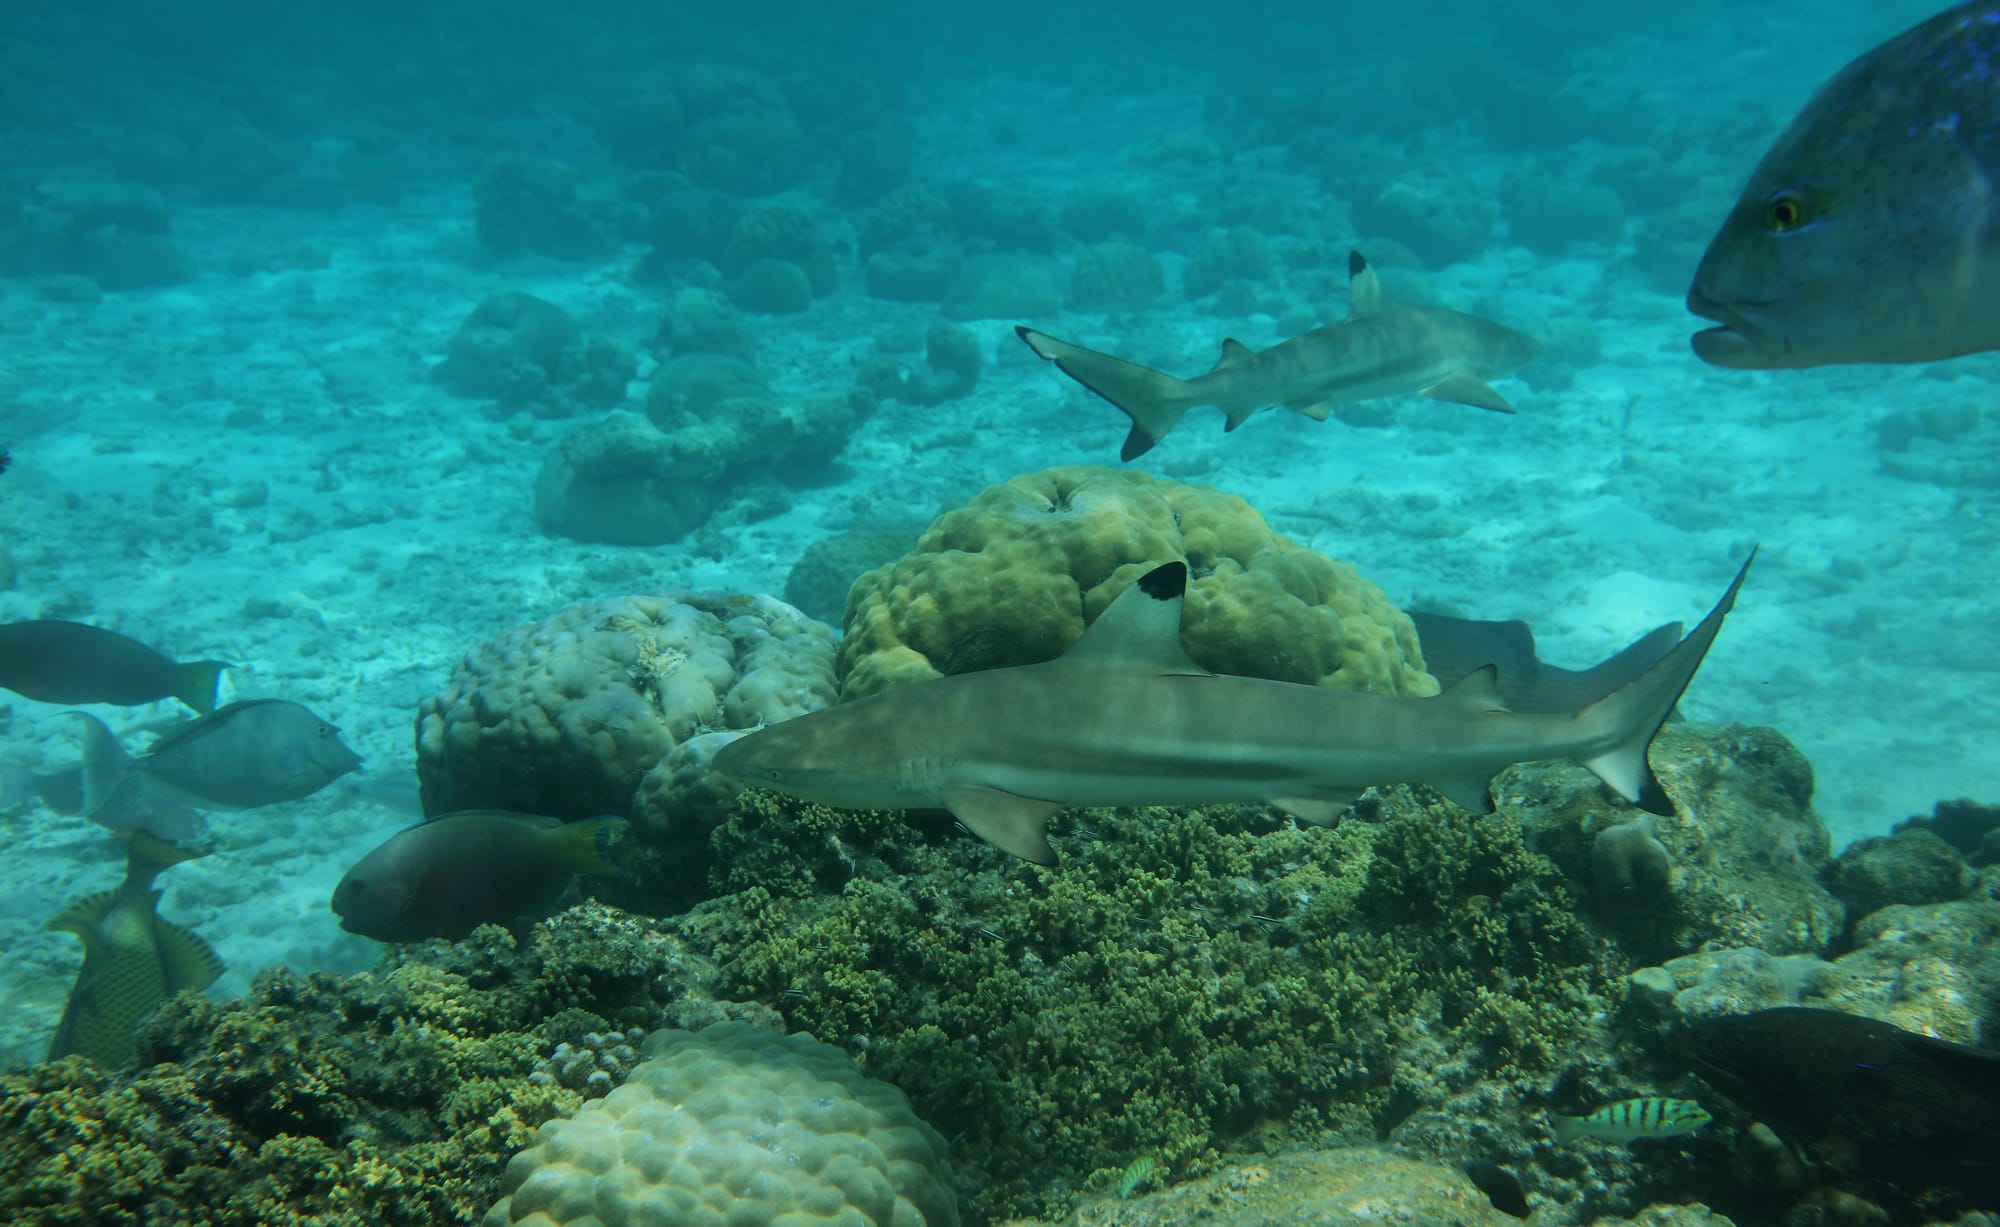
1636, 710
1154, 400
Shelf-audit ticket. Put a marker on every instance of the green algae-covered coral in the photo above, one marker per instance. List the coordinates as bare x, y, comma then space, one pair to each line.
389, 1098
1190, 981
1015, 575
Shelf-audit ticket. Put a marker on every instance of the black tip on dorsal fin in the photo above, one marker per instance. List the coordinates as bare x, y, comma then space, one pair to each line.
1357, 264
1166, 582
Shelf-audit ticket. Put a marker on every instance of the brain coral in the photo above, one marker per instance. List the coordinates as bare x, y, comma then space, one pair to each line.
1015, 575
735, 1127
564, 716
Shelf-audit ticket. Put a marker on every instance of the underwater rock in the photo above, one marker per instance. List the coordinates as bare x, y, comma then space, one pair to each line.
1911, 866
1241, 253
564, 717
118, 235
1713, 983
621, 481
740, 1126
1743, 842
1966, 825
1014, 575
526, 353
1627, 857
1934, 970
1115, 276
778, 232
540, 207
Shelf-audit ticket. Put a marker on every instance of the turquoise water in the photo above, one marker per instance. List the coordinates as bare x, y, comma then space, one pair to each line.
235, 248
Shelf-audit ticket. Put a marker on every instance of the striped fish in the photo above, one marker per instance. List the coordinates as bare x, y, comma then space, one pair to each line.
1629, 1120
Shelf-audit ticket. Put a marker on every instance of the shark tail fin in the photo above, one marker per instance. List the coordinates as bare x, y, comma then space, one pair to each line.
1154, 400
1634, 712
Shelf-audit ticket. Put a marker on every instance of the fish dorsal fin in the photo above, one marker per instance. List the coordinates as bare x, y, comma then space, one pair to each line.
1365, 295
1479, 689
84, 916
1233, 352
186, 961
1141, 629
1008, 821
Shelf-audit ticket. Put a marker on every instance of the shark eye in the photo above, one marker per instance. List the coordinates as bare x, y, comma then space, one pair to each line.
1784, 211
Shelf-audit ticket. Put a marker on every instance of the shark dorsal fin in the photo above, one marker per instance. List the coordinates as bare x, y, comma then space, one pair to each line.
1479, 689
1141, 628
1365, 295
1233, 352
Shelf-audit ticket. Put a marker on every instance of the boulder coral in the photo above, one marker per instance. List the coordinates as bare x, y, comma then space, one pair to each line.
565, 716
1014, 576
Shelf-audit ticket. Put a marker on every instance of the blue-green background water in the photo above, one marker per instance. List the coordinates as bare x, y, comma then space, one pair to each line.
235, 243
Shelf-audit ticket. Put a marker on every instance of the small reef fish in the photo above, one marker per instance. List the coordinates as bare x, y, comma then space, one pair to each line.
133, 961
250, 753
1633, 1120
1126, 718
1868, 231
67, 662
448, 876
1382, 348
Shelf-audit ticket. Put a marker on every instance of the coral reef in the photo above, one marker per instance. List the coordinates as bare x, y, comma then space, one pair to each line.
526, 353
389, 1099
1239, 254
778, 232
737, 1126
1115, 276
1014, 576
540, 207
909, 246
118, 236
565, 716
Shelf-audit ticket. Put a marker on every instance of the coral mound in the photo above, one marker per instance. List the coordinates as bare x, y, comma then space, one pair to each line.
735, 1126
1014, 576
565, 716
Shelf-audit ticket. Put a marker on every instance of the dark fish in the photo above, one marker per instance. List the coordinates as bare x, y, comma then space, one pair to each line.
1502, 1187
250, 753
68, 662
1868, 232
1883, 1107
1455, 648
448, 876
133, 961
6, 458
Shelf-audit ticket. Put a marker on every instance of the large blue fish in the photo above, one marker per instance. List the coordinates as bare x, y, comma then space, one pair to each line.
1869, 232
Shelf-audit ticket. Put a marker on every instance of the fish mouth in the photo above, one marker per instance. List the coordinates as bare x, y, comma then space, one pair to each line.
1739, 339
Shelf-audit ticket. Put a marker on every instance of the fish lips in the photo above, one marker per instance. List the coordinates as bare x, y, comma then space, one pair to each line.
1739, 340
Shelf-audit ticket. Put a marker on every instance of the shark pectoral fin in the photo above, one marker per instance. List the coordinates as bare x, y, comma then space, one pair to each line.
186, 961
1317, 410
1321, 811
1233, 352
1009, 822
1469, 794
1463, 388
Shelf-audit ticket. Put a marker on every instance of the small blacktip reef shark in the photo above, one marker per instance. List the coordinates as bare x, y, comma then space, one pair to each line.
1382, 348
1126, 718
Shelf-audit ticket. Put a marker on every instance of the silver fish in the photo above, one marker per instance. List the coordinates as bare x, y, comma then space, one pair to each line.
1869, 232
250, 753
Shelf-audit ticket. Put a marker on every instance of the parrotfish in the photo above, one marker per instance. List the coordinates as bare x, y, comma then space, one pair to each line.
250, 753
1633, 1120
133, 961
1869, 232
448, 876
68, 662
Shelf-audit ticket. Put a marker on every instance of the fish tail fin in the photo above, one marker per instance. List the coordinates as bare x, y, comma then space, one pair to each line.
586, 844
1154, 400
196, 684
1635, 711
106, 765
187, 961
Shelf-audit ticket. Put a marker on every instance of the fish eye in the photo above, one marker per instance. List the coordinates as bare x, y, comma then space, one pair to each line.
326, 730
1784, 211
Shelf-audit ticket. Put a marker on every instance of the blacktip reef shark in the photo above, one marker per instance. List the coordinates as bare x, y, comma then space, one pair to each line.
1126, 718
1382, 348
